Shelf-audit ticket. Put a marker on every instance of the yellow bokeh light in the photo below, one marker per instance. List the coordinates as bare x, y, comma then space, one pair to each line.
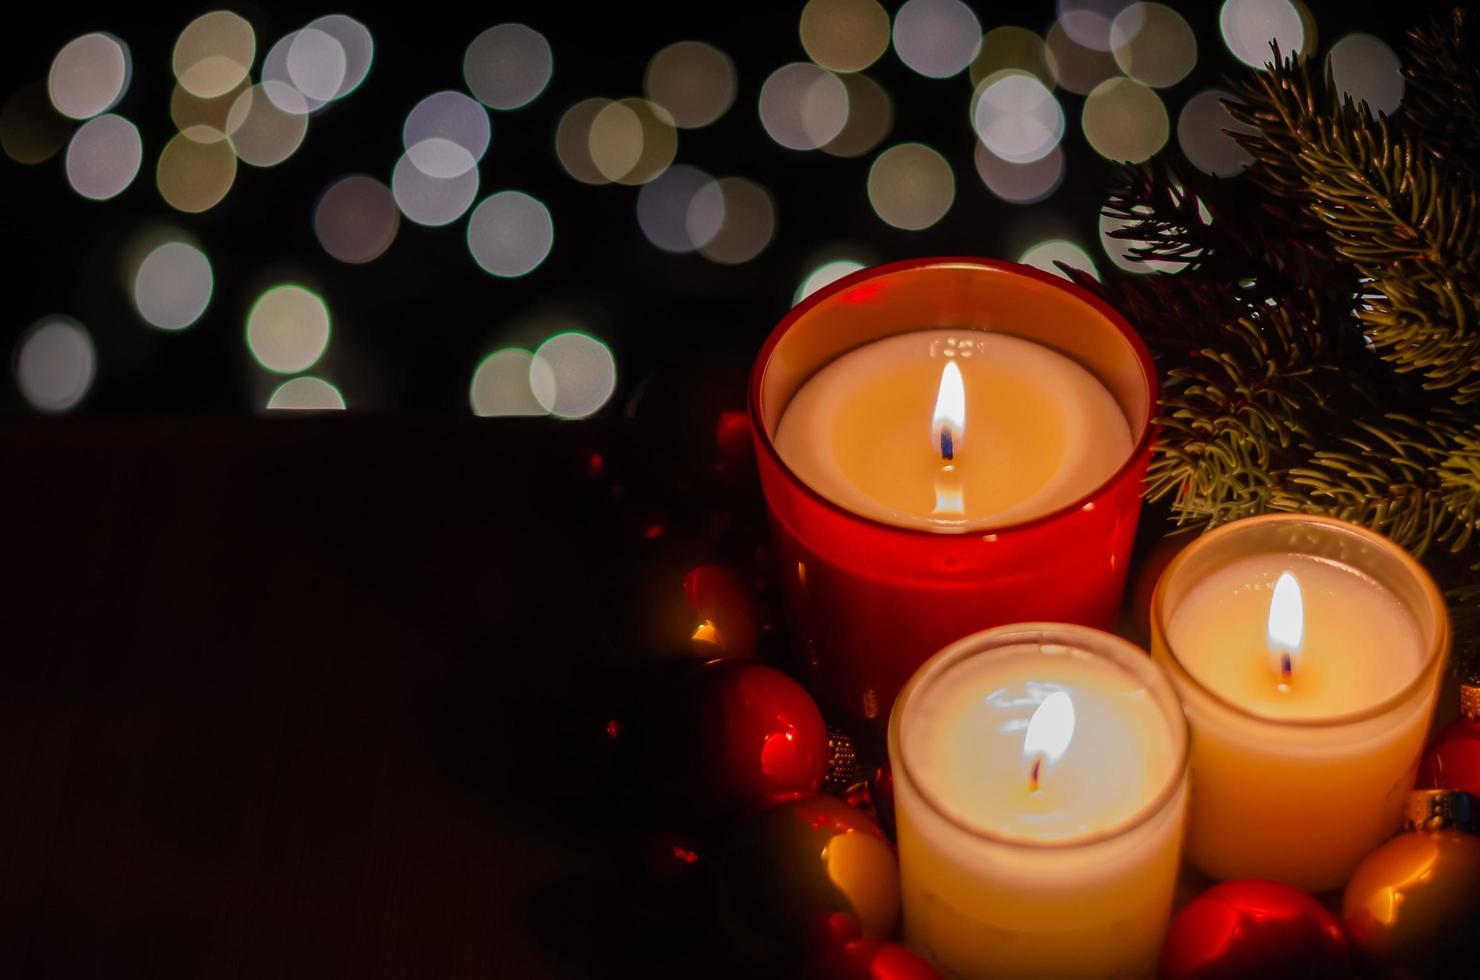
694, 81
844, 35
1125, 121
870, 117
1011, 49
746, 218
262, 134
195, 176
214, 53
631, 141
288, 329
1153, 44
911, 186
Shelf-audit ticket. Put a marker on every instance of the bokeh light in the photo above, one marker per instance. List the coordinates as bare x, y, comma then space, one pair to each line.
204, 120
508, 66
194, 177
288, 329
803, 107
1365, 68
356, 219
262, 133
446, 134
356, 44
870, 117
503, 384
104, 157
1153, 44
1010, 48
1087, 22
432, 201
694, 81
1020, 183
581, 378
1047, 254
55, 364
31, 129
1016, 117
214, 54
936, 38
745, 214
1076, 67
510, 234
1249, 25
631, 141
1125, 121
89, 75
317, 64
825, 274
573, 140
173, 285
911, 186
667, 215
1202, 133
844, 35
306, 394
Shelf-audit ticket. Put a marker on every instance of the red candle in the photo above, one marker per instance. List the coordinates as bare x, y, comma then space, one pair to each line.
901, 525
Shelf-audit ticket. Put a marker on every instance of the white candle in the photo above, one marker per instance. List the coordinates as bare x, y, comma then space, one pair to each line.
1309, 684
953, 430
1040, 787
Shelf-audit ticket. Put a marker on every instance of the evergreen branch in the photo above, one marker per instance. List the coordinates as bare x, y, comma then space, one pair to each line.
1405, 221
1464, 616
1443, 98
1234, 419
1386, 477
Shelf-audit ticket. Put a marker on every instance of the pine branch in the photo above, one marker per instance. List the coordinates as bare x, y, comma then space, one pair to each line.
1443, 97
1403, 219
1464, 616
1235, 418
1217, 228
1390, 476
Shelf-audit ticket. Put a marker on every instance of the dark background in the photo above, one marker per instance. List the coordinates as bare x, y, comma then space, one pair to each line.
326, 697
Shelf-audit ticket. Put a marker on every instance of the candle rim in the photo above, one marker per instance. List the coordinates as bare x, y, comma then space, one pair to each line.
1435, 654
1085, 640
1139, 448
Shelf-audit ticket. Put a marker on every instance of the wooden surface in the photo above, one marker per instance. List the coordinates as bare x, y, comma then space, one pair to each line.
287, 700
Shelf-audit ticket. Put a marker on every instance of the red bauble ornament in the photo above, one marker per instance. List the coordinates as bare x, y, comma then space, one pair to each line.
739, 736
1453, 757
869, 959
1254, 928
807, 877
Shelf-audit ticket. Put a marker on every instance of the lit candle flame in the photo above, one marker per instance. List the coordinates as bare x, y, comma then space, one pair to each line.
948, 428
1049, 732
1286, 627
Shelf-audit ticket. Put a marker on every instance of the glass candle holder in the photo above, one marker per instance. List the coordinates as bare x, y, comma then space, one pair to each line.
1309, 704
867, 600
1040, 779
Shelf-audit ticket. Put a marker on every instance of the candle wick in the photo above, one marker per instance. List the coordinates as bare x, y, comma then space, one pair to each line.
1286, 667
1033, 772
947, 447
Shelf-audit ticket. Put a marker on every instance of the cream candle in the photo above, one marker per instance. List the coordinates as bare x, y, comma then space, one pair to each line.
953, 430
1307, 652
1040, 788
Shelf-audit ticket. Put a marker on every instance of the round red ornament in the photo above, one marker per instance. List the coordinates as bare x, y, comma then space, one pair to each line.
869, 959
806, 877
739, 736
1254, 928
1453, 757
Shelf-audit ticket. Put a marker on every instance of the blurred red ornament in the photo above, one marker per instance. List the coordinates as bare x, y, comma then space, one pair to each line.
1453, 757
791, 878
869, 959
739, 736
725, 609
1254, 928
732, 437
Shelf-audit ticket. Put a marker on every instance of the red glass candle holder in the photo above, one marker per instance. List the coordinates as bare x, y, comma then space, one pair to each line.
869, 602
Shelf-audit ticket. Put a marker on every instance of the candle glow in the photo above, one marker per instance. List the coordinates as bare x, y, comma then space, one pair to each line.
1049, 734
948, 428
1286, 626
